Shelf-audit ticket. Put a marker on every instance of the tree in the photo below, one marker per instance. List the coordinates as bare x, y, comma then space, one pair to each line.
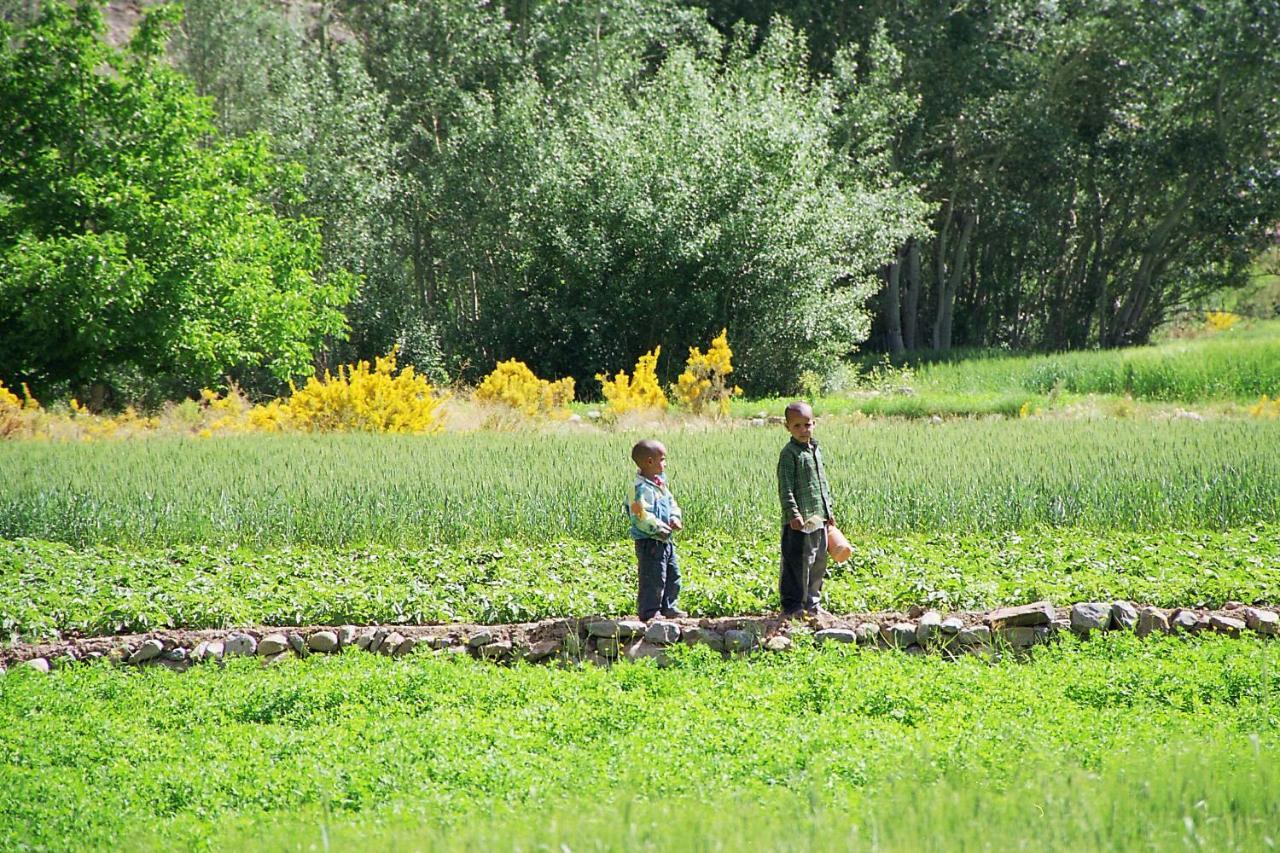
623, 217
132, 236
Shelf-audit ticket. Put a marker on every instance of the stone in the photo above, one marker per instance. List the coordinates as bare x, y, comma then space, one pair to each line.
1233, 605
642, 649
1124, 616
346, 635
272, 644
1090, 616
171, 665
1184, 620
1262, 621
275, 657
951, 625
215, 650
835, 635
915, 650
239, 645
929, 627
1228, 625
176, 653
38, 664
379, 637
1018, 636
698, 636
662, 633
298, 645
201, 651
149, 649
500, 650
915, 611
899, 635
480, 639
739, 641
778, 643
978, 635
866, 633
607, 646
323, 642
1036, 613
120, 654
1150, 620
572, 644
630, 628
404, 647
542, 649
602, 628
390, 643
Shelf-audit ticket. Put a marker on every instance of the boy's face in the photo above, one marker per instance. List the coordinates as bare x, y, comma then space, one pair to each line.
655, 463
800, 426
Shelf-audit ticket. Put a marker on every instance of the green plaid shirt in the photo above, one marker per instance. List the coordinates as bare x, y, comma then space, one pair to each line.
802, 482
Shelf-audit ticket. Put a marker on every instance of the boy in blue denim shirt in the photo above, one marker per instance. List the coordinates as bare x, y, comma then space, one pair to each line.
655, 515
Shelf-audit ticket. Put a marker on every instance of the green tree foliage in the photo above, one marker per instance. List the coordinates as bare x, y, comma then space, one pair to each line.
708, 197
300, 78
132, 237
1094, 165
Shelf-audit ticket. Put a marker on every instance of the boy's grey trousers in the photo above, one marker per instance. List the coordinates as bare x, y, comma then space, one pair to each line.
659, 577
804, 565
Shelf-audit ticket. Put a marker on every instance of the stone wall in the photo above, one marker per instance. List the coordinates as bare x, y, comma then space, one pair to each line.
603, 641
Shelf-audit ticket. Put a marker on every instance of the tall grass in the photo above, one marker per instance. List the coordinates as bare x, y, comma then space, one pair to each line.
412, 491
1240, 364
1114, 742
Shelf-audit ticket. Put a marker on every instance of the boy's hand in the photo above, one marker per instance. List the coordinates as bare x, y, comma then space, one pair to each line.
677, 524
796, 523
831, 522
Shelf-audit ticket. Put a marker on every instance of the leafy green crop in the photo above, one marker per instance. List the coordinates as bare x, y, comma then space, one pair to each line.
50, 588
1162, 730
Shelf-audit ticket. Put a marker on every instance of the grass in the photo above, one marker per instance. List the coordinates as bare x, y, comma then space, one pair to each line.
49, 589
1084, 740
349, 490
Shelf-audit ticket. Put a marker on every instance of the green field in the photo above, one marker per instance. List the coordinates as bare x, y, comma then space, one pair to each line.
1232, 367
1111, 743
357, 489
1114, 742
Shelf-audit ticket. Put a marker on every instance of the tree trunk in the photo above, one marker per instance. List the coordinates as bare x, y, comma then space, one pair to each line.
946, 304
893, 306
911, 299
940, 269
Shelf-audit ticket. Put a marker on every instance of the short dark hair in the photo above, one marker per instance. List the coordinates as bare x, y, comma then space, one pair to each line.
644, 449
799, 407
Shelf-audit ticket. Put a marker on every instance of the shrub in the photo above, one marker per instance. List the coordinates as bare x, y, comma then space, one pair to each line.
359, 399
637, 392
704, 380
513, 384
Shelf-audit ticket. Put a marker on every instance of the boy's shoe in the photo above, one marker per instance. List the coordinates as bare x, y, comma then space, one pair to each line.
674, 613
792, 615
815, 611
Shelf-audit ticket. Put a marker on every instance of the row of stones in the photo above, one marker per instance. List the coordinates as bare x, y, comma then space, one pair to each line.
605, 640
1027, 625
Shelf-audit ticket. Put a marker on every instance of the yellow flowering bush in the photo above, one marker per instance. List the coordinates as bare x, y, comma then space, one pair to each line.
513, 384
1220, 321
360, 397
1266, 408
637, 392
18, 416
704, 380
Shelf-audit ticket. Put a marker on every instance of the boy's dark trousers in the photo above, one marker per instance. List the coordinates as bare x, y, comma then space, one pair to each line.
804, 565
659, 577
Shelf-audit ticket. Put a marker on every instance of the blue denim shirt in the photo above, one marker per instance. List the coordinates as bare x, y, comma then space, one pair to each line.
652, 509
